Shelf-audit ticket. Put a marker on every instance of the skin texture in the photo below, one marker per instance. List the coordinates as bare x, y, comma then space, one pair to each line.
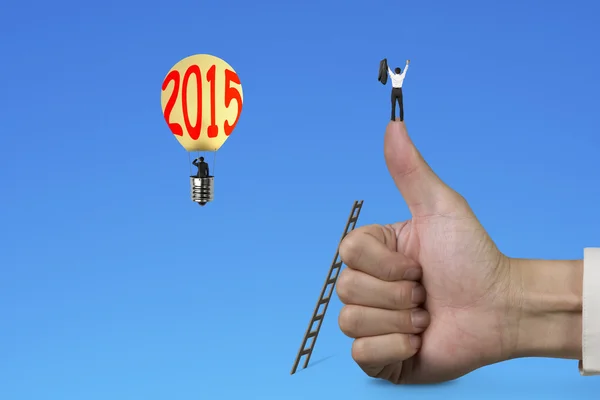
473, 292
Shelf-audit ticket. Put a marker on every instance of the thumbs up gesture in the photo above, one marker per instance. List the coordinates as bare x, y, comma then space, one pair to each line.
426, 299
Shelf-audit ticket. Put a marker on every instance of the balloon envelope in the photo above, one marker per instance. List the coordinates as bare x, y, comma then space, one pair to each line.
201, 100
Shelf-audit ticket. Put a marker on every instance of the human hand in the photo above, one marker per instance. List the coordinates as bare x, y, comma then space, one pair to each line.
465, 276
407, 62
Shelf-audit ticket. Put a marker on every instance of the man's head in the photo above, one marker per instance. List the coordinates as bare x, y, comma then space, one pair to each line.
398, 70
201, 158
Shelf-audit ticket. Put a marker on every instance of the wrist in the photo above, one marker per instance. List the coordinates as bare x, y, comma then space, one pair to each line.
547, 304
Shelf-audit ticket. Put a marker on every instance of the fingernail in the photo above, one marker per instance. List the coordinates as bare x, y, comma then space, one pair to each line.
412, 274
415, 341
420, 318
418, 295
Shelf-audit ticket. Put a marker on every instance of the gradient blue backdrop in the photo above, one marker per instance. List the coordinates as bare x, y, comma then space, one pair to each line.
115, 286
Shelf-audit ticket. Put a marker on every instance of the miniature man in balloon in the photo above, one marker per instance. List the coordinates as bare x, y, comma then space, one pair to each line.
397, 80
202, 167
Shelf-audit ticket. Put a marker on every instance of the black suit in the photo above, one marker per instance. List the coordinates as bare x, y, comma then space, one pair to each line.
383, 71
202, 168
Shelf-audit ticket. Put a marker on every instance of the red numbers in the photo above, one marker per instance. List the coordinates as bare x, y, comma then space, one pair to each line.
213, 130
173, 76
194, 131
232, 93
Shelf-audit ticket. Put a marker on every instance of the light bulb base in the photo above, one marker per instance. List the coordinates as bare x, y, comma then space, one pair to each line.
202, 189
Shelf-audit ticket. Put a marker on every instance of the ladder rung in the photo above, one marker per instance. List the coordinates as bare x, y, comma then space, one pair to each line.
324, 301
332, 280
318, 318
305, 352
337, 265
312, 334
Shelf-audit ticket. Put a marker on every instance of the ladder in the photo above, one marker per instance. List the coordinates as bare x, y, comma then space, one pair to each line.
312, 331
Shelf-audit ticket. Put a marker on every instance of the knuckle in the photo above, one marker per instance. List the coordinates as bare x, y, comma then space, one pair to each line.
350, 248
360, 352
402, 295
350, 320
403, 323
459, 200
344, 286
387, 269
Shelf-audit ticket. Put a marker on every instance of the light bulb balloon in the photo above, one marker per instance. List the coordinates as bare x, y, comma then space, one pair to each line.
201, 100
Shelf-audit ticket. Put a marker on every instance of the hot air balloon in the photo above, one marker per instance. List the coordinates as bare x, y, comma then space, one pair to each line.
201, 100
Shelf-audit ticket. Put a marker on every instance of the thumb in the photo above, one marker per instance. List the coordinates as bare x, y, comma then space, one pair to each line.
424, 192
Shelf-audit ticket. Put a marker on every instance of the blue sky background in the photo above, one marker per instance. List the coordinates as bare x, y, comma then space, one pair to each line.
113, 285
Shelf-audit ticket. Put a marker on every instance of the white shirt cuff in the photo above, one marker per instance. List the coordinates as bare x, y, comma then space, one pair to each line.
590, 364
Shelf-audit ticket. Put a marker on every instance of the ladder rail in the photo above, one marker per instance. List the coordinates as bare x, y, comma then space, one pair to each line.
336, 266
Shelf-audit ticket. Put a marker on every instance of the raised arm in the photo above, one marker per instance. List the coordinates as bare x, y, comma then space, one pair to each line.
390, 72
405, 69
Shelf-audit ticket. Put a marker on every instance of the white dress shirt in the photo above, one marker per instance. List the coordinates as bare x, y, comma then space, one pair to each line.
590, 363
397, 79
